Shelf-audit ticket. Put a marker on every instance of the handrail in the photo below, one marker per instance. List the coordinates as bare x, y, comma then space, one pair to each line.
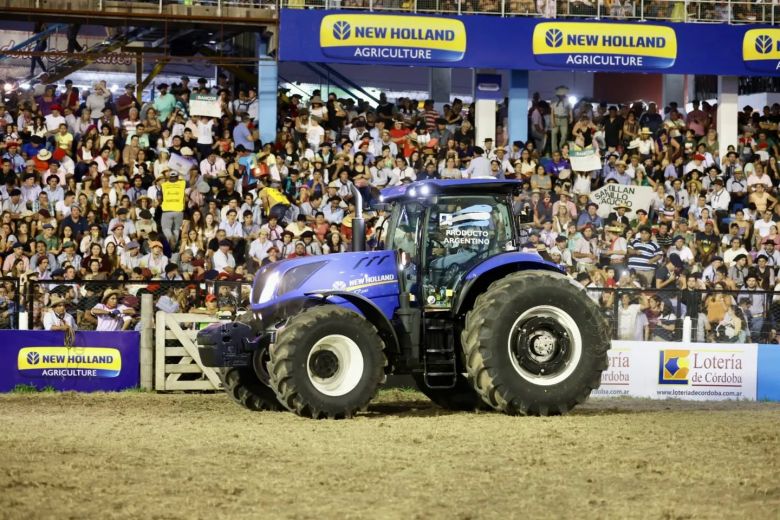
689, 11
31, 40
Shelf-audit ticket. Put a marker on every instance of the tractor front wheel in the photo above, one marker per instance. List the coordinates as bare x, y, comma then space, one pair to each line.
327, 361
535, 344
243, 386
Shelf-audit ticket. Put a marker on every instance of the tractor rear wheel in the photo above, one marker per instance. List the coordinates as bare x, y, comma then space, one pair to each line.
328, 361
535, 344
462, 397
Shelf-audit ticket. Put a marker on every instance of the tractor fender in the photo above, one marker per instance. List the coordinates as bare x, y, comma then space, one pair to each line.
494, 268
370, 311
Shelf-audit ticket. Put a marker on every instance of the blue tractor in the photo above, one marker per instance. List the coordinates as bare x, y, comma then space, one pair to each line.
446, 297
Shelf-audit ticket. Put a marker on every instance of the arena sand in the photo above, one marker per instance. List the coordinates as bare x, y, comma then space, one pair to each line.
140, 456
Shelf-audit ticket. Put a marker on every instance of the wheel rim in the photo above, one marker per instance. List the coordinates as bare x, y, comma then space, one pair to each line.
545, 345
260, 364
335, 365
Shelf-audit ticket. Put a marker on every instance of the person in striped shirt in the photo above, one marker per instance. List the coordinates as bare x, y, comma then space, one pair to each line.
644, 255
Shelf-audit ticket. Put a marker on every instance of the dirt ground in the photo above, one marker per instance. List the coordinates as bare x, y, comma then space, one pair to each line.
136, 455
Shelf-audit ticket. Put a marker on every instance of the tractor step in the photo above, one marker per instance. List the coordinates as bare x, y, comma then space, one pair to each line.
442, 376
440, 362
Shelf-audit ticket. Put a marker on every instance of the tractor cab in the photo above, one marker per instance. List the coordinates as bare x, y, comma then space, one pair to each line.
442, 230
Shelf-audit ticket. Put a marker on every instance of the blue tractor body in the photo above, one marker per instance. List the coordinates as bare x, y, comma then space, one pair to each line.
442, 246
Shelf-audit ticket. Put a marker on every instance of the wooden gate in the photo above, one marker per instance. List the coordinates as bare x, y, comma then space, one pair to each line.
177, 362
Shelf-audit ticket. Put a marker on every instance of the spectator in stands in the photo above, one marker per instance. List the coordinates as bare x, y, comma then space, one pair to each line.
110, 314
57, 318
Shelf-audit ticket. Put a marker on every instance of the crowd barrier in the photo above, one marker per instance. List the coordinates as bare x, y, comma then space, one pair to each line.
95, 361
168, 295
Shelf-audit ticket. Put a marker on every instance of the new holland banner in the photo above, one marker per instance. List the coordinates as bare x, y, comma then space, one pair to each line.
98, 361
526, 43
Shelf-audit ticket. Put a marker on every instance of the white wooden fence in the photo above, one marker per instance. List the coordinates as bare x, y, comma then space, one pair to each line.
177, 362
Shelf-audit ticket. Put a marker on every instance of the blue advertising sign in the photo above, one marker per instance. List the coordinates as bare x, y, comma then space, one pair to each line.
98, 361
527, 43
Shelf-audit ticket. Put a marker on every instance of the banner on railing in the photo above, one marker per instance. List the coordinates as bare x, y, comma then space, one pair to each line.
610, 196
527, 43
689, 371
98, 361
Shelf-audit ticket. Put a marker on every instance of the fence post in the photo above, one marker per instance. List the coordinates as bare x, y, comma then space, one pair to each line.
687, 331
503, 8
598, 9
147, 342
641, 10
460, 8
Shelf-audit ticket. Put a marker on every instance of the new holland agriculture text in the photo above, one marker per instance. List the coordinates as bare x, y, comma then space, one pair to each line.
395, 38
622, 46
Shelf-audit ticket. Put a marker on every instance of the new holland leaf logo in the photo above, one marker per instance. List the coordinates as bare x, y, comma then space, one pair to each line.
341, 30
763, 44
554, 38
33, 358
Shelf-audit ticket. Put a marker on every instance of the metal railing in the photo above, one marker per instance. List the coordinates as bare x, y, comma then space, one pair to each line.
146, 6
11, 303
705, 11
81, 296
714, 316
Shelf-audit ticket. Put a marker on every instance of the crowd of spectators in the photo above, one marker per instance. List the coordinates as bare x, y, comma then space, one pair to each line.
102, 187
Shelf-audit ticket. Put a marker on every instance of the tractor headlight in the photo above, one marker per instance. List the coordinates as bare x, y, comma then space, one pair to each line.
269, 287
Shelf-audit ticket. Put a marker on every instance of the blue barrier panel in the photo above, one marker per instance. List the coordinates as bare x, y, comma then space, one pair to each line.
768, 386
98, 361
528, 43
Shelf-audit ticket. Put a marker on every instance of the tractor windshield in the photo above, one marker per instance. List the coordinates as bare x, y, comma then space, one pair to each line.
460, 232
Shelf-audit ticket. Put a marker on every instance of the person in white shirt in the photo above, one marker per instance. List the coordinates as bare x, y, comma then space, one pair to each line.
110, 314
156, 260
57, 318
258, 249
764, 225
232, 226
479, 167
314, 134
211, 166
223, 260
401, 172
130, 258
54, 120
205, 135
679, 248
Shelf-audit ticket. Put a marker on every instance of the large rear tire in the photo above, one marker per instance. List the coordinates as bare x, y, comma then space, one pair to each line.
328, 361
535, 344
462, 397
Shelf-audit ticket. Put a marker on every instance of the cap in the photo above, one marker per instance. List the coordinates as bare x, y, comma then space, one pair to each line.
225, 242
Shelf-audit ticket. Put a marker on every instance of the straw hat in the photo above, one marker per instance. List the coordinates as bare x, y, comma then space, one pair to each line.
645, 130
44, 155
108, 294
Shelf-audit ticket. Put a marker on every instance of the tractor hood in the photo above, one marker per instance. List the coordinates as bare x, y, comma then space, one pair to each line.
372, 274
